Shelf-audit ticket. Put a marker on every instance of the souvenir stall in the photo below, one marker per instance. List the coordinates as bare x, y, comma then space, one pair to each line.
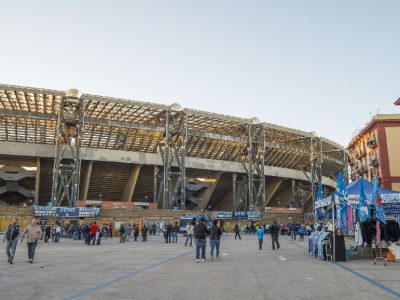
378, 214
327, 242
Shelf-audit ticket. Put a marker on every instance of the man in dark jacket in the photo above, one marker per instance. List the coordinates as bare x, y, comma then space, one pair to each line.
215, 238
274, 230
200, 234
237, 231
11, 236
293, 230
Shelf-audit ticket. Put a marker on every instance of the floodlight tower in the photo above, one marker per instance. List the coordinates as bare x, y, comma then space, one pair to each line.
67, 160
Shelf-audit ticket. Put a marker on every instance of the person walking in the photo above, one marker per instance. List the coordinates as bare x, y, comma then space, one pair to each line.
110, 230
86, 233
11, 236
128, 232
293, 231
135, 231
145, 230
301, 233
274, 230
58, 232
33, 233
93, 231
200, 234
260, 235
122, 233
189, 232
237, 231
175, 232
47, 233
75, 230
215, 239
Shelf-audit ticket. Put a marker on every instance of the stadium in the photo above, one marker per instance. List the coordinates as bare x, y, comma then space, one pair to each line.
70, 149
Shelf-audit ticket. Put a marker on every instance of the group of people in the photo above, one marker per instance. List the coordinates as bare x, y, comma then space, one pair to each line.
200, 232
33, 233
171, 232
197, 229
273, 231
126, 230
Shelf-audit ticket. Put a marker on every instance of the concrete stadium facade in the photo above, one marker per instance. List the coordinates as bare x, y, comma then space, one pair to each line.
135, 151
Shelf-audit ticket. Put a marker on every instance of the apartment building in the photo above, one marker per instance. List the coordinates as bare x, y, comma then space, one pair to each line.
375, 151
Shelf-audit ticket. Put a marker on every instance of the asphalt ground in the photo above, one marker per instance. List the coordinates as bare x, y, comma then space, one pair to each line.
155, 270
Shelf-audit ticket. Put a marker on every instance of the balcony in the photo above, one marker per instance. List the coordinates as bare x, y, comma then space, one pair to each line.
371, 143
374, 161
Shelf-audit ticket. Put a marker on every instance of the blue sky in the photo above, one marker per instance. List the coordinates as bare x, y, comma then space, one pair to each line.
321, 66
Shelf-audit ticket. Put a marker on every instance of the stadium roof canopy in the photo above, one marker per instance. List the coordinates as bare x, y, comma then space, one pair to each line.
29, 115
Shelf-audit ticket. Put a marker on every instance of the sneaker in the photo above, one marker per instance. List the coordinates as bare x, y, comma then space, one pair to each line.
203, 260
197, 261
211, 258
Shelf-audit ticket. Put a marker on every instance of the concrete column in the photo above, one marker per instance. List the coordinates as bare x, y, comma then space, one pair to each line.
86, 180
234, 193
207, 193
155, 183
272, 186
131, 184
37, 181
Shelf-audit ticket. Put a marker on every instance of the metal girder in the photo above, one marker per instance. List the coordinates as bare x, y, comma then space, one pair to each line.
173, 149
253, 162
66, 172
316, 160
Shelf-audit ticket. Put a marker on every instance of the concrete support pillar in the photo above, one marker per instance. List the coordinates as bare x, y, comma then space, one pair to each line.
155, 184
234, 193
131, 184
37, 181
271, 188
207, 193
86, 180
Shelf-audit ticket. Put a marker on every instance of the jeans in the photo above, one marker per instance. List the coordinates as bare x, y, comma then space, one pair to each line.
10, 249
92, 238
260, 243
165, 236
293, 235
201, 246
175, 237
237, 234
189, 236
31, 249
76, 235
214, 243
275, 240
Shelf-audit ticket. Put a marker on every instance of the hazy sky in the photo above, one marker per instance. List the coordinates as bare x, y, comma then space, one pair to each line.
321, 66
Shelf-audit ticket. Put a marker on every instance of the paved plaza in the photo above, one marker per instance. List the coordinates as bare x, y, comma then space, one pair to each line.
155, 270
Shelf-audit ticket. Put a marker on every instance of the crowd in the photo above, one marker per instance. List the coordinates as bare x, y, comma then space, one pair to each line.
92, 234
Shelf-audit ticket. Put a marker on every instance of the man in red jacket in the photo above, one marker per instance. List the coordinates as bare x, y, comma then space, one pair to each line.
93, 230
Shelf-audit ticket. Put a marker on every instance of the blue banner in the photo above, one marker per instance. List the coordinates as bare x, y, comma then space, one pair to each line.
240, 215
341, 193
363, 208
324, 213
320, 192
377, 202
66, 212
